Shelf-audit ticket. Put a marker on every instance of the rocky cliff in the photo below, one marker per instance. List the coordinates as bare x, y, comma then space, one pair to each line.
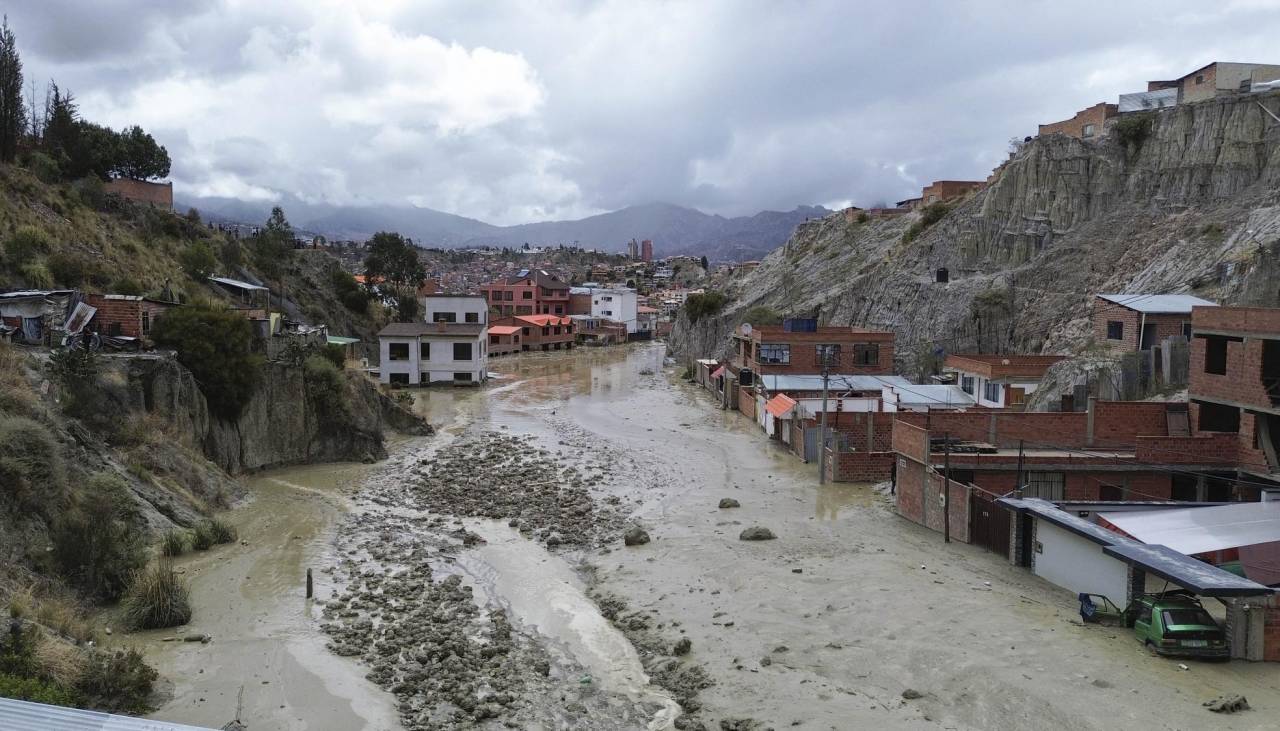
280, 426
1183, 200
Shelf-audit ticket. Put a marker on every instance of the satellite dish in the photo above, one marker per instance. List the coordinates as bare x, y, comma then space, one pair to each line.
746, 328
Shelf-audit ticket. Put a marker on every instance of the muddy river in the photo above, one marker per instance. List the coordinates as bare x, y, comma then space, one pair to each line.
550, 622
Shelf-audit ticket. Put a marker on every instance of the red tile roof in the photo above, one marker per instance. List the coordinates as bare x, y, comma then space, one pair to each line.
780, 405
503, 330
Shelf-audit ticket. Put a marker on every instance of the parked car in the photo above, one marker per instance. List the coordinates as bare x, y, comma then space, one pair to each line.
1174, 623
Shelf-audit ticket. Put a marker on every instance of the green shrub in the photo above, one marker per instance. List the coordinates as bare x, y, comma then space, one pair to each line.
157, 598
36, 275
76, 372
127, 285
68, 270
1131, 130
91, 192
38, 691
18, 650
44, 167
698, 306
326, 392
217, 346
93, 542
349, 292
221, 531
863, 217
25, 246
198, 261
173, 543
929, 215
231, 255
117, 681
761, 315
202, 538
28, 450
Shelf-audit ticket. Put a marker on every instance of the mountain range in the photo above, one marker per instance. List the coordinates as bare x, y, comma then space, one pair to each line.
673, 229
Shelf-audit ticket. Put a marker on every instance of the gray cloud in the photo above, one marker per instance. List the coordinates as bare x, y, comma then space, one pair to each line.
532, 111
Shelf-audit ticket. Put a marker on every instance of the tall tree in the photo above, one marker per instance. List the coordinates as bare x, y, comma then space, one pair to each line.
274, 243
140, 157
394, 258
12, 118
61, 123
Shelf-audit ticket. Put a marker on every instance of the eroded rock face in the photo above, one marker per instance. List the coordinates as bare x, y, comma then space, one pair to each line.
1190, 209
278, 427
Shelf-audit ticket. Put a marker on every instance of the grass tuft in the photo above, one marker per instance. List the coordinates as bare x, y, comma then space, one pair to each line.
173, 543
158, 598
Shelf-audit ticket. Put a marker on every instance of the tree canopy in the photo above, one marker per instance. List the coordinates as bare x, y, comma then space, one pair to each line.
217, 346
12, 119
394, 259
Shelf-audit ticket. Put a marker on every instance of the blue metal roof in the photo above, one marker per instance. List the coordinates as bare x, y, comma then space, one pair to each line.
26, 716
1198, 576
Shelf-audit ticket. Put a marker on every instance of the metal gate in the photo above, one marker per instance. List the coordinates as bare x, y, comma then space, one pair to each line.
988, 522
812, 443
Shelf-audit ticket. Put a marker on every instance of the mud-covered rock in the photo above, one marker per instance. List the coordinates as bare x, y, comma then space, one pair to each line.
635, 536
728, 502
756, 533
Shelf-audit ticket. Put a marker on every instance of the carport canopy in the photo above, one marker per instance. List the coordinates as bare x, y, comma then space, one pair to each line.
1198, 530
1198, 576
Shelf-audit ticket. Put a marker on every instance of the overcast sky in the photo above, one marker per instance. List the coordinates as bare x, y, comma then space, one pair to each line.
513, 112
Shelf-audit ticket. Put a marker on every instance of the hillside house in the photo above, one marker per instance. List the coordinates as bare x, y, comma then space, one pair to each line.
36, 317
998, 381
423, 353
941, 191
127, 316
503, 340
1217, 79
799, 347
592, 330
1132, 322
528, 292
1087, 123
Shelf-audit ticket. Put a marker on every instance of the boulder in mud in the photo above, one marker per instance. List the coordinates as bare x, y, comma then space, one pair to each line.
1227, 704
682, 646
728, 502
756, 533
911, 694
635, 536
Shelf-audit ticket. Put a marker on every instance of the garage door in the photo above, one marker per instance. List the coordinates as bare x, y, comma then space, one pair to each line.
1078, 564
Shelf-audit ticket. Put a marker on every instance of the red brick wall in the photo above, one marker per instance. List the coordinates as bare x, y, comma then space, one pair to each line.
579, 304
157, 194
859, 466
918, 500
1097, 115
1081, 485
1120, 423
804, 352
1249, 456
911, 441
943, 190
1242, 383
1204, 448
1104, 311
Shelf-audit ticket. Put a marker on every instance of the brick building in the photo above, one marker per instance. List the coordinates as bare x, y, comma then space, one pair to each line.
1235, 383
646, 250
159, 195
794, 348
1117, 450
1131, 322
122, 315
541, 332
528, 292
1086, 124
503, 340
1218, 78
940, 191
998, 381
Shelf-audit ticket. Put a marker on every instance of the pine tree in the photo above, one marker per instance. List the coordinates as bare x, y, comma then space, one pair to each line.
12, 117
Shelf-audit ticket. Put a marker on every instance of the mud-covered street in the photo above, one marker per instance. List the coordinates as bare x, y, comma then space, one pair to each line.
479, 578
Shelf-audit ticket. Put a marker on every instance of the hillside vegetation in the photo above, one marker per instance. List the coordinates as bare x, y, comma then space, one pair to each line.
1187, 203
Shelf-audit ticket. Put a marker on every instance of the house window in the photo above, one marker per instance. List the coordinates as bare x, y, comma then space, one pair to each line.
1115, 330
1215, 355
527, 294
425, 351
1044, 485
146, 322
493, 339
775, 353
1186, 330
546, 331
866, 354
559, 310
462, 377
991, 392
400, 379
508, 295
607, 313
966, 384
524, 331
1088, 130
444, 317
398, 351
827, 354
1199, 78
472, 317
462, 351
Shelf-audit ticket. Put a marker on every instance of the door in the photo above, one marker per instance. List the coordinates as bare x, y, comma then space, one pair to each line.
988, 522
1142, 623
1148, 337
812, 443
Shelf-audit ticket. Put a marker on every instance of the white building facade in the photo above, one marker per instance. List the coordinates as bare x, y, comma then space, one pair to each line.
618, 304
449, 347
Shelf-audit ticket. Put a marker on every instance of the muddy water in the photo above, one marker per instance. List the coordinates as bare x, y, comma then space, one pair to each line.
267, 653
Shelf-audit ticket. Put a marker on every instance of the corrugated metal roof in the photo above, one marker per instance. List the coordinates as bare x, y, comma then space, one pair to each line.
1159, 304
930, 395
26, 716
784, 382
237, 283
1198, 576
1198, 530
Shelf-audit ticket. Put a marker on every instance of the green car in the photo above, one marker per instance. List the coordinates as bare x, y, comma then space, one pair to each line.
1175, 624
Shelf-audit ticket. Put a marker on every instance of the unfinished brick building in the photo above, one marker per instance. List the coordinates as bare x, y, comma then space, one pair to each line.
1131, 322
795, 347
121, 315
1086, 124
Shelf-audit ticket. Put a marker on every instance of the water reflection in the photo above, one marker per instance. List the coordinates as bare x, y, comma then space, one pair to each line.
832, 498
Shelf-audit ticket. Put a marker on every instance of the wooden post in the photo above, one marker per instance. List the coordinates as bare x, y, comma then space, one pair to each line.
946, 488
310, 587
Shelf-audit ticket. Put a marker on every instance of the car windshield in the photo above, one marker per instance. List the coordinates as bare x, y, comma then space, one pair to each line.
1188, 615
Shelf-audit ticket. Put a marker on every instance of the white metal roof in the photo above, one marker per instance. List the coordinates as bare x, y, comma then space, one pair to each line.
26, 716
1159, 304
237, 283
1196, 530
784, 382
928, 395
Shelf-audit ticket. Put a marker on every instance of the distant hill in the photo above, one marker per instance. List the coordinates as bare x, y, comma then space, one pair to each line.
673, 229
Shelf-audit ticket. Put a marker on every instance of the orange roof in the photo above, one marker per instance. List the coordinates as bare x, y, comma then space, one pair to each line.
645, 309
544, 320
780, 405
503, 330
362, 279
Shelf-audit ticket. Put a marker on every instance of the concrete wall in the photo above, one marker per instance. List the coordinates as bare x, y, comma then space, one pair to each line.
458, 305
439, 366
1077, 564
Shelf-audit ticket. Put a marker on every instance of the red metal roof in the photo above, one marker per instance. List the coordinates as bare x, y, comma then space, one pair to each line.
780, 405
718, 372
503, 330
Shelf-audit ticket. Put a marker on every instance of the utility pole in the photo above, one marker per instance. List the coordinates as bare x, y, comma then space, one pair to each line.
946, 487
828, 354
1017, 484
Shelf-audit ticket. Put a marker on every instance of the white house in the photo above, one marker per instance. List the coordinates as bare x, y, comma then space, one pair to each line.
998, 381
617, 304
448, 347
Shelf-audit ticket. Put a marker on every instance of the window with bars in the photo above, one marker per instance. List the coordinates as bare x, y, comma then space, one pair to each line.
991, 391
866, 354
827, 354
775, 353
1045, 485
